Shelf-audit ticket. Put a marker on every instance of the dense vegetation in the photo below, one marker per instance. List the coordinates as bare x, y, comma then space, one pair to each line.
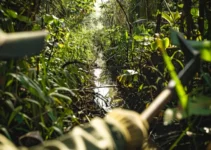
52, 92
47, 93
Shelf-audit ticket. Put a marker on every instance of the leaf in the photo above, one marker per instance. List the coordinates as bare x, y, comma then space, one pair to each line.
159, 44
140, 87
32, 101
25, 116
167, 18
206, 55
154, 46
61, 96
58, 130
176, 15
199, 105
10, 104
126, 35
65, 89
194, 12
5, 131
180, 5
42, 124
23, 19
11, 95
207, 78
14, 113
32, 86
174, 38
49, 18
165, 42
203, 46
138, 38
179, 87
51, 115
9, 82
11, 13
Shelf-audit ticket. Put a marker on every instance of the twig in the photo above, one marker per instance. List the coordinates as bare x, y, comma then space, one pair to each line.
127, 19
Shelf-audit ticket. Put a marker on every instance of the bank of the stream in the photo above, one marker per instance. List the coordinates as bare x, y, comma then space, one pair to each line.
161, 136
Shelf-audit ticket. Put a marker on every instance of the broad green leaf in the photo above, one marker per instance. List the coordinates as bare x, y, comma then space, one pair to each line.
23, 19
11, 13
203, 46
180, 5
195, 12
206, 54
176, 15
174, 38
159, 44
167, 18
154, 46
166, 42
138, 38
199, 105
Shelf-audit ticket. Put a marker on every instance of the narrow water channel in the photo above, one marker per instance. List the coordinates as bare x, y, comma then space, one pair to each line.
105, 90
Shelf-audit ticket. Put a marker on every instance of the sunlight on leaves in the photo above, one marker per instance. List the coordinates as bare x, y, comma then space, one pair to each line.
162, 45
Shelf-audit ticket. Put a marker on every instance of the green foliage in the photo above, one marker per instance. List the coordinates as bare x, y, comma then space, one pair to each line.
172, 18
46, 92
162, 45
137, 50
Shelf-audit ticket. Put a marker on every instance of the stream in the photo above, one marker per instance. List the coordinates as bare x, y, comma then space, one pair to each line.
106, 90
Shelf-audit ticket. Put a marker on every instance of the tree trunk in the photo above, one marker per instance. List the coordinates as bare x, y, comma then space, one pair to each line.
201, 17
208, 16
159, 17
188, 16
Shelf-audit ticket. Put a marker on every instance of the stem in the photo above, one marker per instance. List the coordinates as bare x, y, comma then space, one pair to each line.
189, 19
201, 17
159, 17
182, 135
169, 9
127, 19
179, 139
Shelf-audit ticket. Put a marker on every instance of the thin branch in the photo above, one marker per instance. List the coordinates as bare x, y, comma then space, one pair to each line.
127, 19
